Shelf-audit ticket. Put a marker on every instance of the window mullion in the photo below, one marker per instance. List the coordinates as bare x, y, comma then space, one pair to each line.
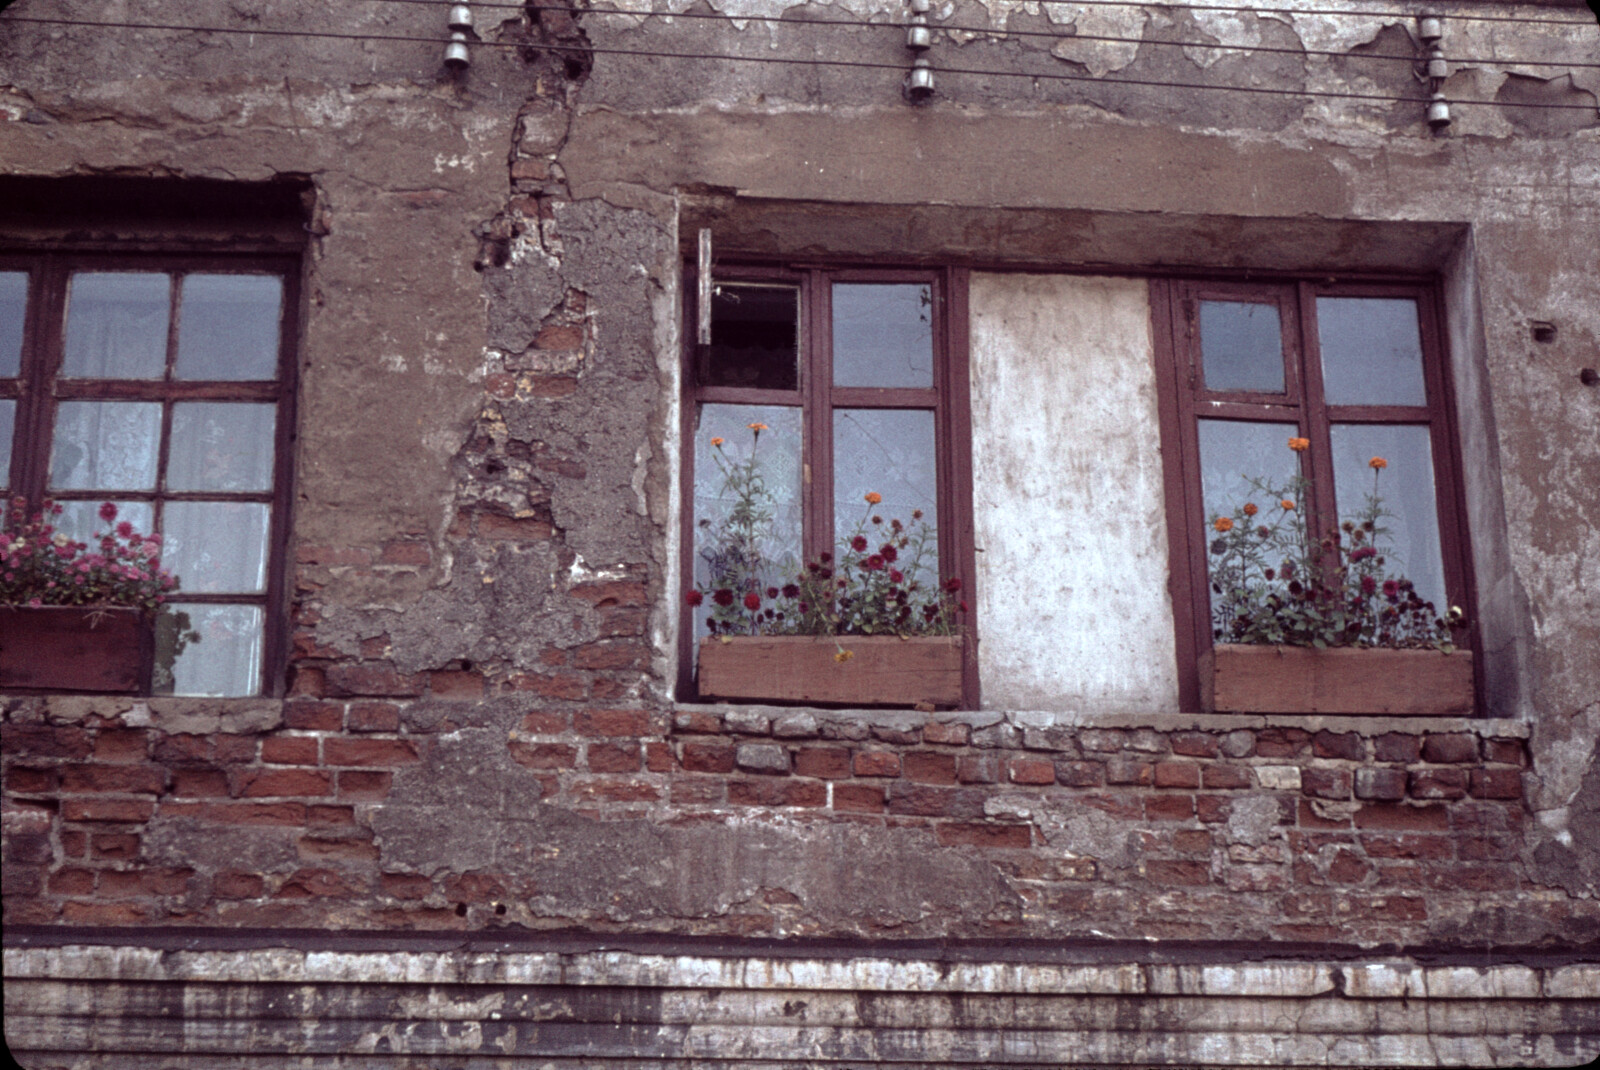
41, 360
816, 369
1322, 511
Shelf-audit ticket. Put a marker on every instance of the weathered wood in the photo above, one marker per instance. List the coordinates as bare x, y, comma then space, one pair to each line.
1239, 678
73, 648
879, 671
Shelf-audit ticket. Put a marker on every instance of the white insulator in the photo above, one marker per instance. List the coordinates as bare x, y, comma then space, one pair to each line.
1439, 112
460, 17
455, 53
919, 83
1430, 29
919, 38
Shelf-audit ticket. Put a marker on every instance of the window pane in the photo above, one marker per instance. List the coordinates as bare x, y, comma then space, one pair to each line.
8, 426
81, 520
228, 327
1233, 452
882, 334
105, 445
224, 660
221, 446
117, 325
754, 338
1406, 492
13, 306
216, 547
1241, 345
889, 452
746, 497
1371, 351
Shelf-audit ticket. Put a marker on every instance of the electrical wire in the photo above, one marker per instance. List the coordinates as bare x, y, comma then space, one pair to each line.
724, 57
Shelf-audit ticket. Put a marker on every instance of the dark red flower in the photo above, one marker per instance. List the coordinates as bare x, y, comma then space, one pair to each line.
953, 584
108, 512
1368, 585
1391, 588
722, 596
859, 543
824, 557
962, 605
1363, 553
752, 600
694, 598
791, 591
772, 592
873, 563
889, 552
896, 576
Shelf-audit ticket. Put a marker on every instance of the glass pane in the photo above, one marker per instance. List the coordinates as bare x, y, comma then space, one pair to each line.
228, 327
882, 334
887, 452
1233, 452
221, 446
81, 520
8, 426
1405, 492
1241, 345
105, 445
13, 306
746, 498
216, 547
117, 325
208, 650
754, 338
1371, 351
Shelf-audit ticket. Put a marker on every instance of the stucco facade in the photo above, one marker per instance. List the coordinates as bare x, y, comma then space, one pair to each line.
476, 814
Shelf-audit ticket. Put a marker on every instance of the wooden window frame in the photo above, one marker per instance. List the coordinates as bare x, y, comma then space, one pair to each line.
817, 397
39, 387
1184, 400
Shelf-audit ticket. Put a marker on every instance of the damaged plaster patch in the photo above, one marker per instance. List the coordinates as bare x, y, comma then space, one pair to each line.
1100, 57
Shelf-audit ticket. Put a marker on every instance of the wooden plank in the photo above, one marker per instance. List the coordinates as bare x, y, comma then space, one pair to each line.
1238, 678
72, 648
878, 671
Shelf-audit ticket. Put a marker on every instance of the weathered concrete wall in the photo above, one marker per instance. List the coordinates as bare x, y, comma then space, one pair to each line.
1068, 496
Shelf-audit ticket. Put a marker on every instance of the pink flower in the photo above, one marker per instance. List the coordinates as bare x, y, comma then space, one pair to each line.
108, 512
125, 529
752, 600
694, 598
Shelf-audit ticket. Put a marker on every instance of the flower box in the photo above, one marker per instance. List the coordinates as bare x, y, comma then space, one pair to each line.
75, 648
1238, 678
881, 671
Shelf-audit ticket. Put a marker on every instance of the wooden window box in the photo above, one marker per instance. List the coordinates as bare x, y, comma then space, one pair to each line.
73, 648
882, 671
1236, 678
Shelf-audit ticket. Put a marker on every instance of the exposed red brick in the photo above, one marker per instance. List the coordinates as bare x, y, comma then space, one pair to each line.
1192, 842
1178, 873
1348, 867
698, 791
307, 681
237, 884
1124, 771
107, 809
1169, 807
44, 741
1390, 907
612, 654
616, 790
1496, 784
406, 885
368, 751
327, 848
514, 529
316, 883
375, 678
1030, 771
229, 749
1455, 877
311, 554
72, 881
1397, 747
709, 758
546, 722
1380, 783
659, 758
114, 846
1225, 776
1450, 747
1347, 745
456, 684
182, 748
1282, 742
1486, 848
27, 780
324, 815
313, 716
94, 913
544, 755
373, 717
926, 801
1122, 804
1325, 783
829, 763
1002, 836
365, 785
931, 767
859, 798
559, 338
1399, 816
1309, 818
1080, 774
1504, 751
978, 769
129, 883
877, 763
200, 783
614, 758
1194, 744
1177, 775
697, 722
769, 792
275, 813
413, 552
121, 745
289, 781
74, 843
611, 722
957, 735
289, 750
1438, 784
1433, 847
623, 621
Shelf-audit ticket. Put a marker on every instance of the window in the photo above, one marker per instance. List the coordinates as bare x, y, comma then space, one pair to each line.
162, 384
1358, 371
839, 383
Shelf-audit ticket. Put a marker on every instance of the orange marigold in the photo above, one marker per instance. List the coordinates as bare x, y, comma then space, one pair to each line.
872, 497
1223, 523
1250, 509
1378, 462
757, 427
1299, 445
1287, 503
716, 441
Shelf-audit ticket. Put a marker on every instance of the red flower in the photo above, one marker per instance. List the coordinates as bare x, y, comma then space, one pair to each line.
772, 592
873, 563
1391, 588
859, 544
1368, 585
722, 596
962, 605
896, 576
889, 552
791, 591
953, 584
108, 512
694, 598
124, 529
752, 600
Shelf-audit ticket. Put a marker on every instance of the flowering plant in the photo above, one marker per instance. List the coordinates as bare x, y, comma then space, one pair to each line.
1273, 582
40, 566
882, 581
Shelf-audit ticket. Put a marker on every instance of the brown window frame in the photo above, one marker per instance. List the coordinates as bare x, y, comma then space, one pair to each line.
39, 387
1184, 400
817, 397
